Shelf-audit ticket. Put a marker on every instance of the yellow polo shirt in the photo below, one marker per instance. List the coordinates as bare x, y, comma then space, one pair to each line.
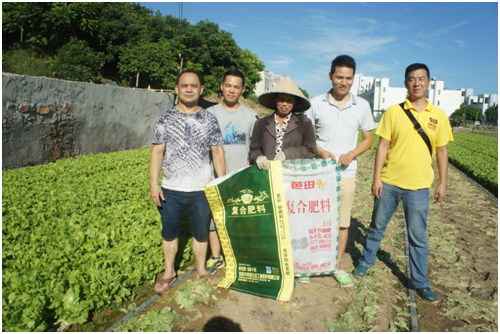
409, 164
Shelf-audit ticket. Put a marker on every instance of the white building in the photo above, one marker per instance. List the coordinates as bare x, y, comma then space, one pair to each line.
381, 96
269, 80
482, 101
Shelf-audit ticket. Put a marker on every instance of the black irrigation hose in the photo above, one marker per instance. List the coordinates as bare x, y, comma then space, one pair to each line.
148, 302
411, 291
477, 185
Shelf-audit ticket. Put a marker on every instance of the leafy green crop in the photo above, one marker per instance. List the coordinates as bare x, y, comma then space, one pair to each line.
153, 321
476, 156
77, 235
191, 292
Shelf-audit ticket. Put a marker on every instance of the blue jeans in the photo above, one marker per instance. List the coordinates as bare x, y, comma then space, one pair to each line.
176, 204
416, 208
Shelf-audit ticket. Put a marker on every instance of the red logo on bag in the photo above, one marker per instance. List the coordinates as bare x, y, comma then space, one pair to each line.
303, 185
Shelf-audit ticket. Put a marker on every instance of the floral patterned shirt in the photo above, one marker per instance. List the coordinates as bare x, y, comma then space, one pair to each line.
280, 132
188, 139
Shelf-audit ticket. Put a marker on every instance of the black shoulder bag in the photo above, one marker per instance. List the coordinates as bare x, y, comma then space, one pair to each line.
417, 127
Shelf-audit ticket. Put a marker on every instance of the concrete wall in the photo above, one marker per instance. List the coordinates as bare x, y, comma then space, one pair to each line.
45, 119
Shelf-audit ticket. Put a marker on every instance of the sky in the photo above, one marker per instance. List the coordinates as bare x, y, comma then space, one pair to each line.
458, 41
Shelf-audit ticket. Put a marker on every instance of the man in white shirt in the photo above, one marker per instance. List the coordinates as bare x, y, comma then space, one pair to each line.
338, 116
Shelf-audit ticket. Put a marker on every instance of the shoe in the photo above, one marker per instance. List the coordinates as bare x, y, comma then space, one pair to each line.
343, 278
360, 271
428, 295
303, 279
215, 263
164, 284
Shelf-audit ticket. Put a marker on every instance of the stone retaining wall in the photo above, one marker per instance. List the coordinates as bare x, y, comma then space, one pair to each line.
46, 119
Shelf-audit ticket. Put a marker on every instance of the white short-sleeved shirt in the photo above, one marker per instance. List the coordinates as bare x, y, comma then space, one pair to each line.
337, 128
188, 139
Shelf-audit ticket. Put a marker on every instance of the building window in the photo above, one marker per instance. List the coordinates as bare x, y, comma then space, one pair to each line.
432, 86
377, 84
438, 102
384, 89
439, 92
383, 100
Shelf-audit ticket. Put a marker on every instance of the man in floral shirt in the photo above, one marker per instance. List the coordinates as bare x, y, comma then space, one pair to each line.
183, 139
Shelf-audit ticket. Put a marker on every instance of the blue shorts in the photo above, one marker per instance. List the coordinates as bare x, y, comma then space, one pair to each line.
176, 204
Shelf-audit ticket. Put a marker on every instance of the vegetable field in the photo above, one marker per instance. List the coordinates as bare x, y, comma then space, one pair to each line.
77, 235
476, 156
473, 154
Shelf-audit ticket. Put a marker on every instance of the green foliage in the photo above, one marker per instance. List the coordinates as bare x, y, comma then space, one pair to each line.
77, 235
375, 139
304, 92
77, 61
362, 310
471, 115
153, 321
155, 62
115, 40
252, 100
476, 156
492, 114
192, 292
250, 65
25, 62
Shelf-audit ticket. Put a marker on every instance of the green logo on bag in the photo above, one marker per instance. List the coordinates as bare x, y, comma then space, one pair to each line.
247, 197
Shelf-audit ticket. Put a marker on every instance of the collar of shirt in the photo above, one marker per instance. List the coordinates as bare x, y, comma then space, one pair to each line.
285, 123
329, 99
428, 108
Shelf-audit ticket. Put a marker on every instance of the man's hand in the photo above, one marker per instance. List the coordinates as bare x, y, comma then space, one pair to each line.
154, 171
325, 154
346, 159
442, 162
440, 193
262, 162
156, 193
377, 188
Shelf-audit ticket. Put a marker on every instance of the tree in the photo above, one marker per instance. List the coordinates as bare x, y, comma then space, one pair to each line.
492, 114
86, 41
470, 113
215, 50
157, 63
79, 62
304, 92
250, 65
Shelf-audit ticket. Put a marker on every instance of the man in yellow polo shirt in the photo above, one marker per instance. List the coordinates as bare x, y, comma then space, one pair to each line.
403, 171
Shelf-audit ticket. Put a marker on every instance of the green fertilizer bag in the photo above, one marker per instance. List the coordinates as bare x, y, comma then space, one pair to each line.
277, 224
250, 213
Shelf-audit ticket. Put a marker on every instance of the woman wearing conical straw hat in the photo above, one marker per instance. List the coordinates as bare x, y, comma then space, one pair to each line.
283, 135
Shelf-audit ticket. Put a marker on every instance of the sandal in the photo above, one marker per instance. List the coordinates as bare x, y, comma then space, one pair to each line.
211, 278
164, 284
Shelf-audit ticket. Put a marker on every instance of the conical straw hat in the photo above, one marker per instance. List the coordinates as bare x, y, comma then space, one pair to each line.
286, 86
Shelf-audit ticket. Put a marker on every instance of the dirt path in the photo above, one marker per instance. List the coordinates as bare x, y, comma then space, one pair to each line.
463, 268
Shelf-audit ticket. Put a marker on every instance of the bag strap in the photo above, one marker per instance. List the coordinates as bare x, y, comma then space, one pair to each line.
417, 127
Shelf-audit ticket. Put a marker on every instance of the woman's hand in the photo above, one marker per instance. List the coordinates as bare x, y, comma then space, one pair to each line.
262, 162
280, 156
